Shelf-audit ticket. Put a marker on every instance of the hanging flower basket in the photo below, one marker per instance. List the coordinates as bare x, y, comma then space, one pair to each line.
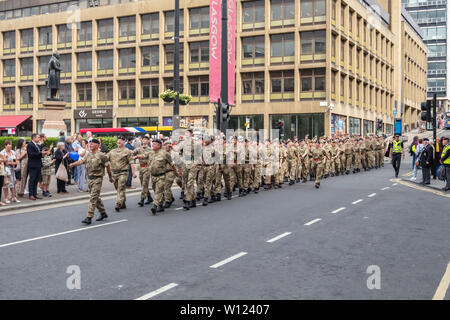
168, 95
185, 99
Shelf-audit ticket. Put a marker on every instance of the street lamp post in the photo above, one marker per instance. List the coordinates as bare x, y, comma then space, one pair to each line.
176, 69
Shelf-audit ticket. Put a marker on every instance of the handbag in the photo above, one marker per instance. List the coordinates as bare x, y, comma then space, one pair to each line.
61, 174
18, 174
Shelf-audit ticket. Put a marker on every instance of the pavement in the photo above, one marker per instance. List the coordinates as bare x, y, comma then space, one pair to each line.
360, 236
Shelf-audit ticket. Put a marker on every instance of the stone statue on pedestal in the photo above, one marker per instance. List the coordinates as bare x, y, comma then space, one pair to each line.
53, 81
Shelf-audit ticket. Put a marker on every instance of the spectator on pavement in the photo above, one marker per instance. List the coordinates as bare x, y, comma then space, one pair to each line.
9, 183
47, 169
445, 160
34, 165
61, 156
129, 145
2, 177
82, 178
426, 161
68, 148
417, 155
62, 137
22, 158
103, 147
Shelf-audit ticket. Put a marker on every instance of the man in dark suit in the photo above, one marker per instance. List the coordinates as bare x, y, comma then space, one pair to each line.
34, 165
426, 161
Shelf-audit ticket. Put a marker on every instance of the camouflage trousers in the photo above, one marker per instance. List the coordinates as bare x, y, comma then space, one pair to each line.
292, 168
191, 172
222, 170
357, 163
236, 175
209, 174
158, 184
120, 180
348, 161
317, 168
201, 179
168, 182
371, 159
144, 177
256, 175
335, 165
246, 175
95, 187
326, 166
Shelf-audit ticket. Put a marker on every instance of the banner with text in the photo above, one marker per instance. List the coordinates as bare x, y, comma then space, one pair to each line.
214, 49
231, 49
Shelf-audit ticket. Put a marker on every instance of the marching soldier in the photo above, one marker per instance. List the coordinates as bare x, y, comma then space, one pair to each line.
169, 177
142, 153
291, 160
318, 157
121, 159
209, 171
95, 162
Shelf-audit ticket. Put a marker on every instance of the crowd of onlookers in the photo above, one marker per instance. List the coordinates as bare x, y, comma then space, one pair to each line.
30, 165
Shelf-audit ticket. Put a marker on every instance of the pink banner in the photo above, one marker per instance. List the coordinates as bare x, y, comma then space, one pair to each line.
231, 46
214, 49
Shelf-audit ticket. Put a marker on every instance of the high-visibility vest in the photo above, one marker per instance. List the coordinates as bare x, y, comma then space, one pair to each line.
444, 152
397, 148
413, 148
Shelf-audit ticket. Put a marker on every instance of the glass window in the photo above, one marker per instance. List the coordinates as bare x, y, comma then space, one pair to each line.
170, 21
199, 19
9, 40
45, 36
169, 52
9, 68
84, 92
127, 58
85, 31
105, 60
27, 95
105, 91
150, 24
85, 61
105, 29
43, 64
9, 96
27, 38
27, 66
64, 34
127, 26
253, 14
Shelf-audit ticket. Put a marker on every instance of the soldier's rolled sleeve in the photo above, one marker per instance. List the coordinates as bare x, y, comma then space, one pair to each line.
130, 158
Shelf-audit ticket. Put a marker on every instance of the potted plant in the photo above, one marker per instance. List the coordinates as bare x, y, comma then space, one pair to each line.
168, 95
185, 99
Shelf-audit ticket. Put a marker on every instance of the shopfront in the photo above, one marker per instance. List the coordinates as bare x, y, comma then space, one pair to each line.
368, 127
354, 127
93, 118
299, 125
255, 122
186, 122
338, 124
21, 126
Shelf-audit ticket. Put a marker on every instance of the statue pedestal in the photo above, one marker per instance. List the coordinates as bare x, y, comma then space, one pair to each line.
53, 112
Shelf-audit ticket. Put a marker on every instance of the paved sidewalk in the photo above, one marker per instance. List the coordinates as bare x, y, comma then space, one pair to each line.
72, 195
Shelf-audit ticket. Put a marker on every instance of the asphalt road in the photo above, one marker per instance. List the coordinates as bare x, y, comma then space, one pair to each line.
402, 231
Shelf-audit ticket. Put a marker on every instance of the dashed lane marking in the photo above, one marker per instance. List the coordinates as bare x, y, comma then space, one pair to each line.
179, 208
227, 260
312, 222
394, 184
159, 291
338, 210
443, 285
279, 237
372, 195
385, 188
61, 233
357, 201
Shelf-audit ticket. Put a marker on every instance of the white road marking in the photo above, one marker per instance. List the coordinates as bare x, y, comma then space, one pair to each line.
443, 285
312, 221
179, 208
338, 210
221, 263
385, 188
357, 201
279, 237
156, 292
372, 195
60, 233
394, 184
234, 196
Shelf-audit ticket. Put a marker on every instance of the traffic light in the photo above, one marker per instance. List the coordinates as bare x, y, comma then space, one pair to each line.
379, 124
280, 126
225, 112
426, 111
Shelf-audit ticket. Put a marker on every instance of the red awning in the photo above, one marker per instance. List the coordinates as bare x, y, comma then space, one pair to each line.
12, 121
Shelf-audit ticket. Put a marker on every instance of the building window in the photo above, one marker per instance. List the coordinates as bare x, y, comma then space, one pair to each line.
354, 126
84, 64
169, 54
127, 91
312, 11
253, 87
342, 16
253, 50
105, 63
256, 122
313, 46
170, 23
84, 95
282, 13
312, 124
368, 127
105, 94
150, 92
127, 59
26, 94
65, 93
253, 14
312, 84
66, 63
333, 12
27, 69
43, 67
45, 38
199, 87
168, 84
342, 88
350, 91
27, 40
150, 26
127, 29
199, 21
9, 70
282, 86
282, 48
64, 37
9, 98
333, 85
9, 42
199, 55
350, 22
150, 59
342, 53
350, 57
105, 31
85, 34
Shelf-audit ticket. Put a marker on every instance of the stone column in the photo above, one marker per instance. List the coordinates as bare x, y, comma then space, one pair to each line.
53, 112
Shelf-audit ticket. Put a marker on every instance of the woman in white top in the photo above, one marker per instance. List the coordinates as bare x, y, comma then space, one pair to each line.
82, 178
10, 177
